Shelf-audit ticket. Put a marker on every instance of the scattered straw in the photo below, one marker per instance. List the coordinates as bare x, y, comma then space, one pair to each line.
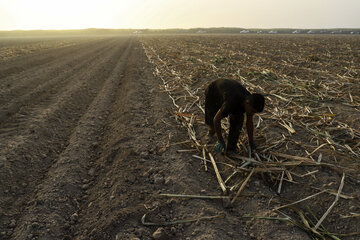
333, 204
192, 196
242, 186
303, 111
218, 176
299, 201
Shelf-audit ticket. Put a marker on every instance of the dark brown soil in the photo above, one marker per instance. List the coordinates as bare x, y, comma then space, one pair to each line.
88, 140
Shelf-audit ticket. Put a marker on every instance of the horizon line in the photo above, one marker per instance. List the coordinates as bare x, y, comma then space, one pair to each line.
175, 28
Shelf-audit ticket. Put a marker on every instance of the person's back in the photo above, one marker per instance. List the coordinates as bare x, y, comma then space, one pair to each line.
230, 87
233, 95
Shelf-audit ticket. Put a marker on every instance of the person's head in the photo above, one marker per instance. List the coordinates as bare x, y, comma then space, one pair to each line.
254, 103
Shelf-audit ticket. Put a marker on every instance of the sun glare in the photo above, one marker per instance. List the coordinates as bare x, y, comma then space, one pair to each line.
80, 14
67, 14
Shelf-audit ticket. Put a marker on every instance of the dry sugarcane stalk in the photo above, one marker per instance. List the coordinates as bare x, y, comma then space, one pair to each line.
270, 169
186, 150
230, 176
281, 181
192, 196
288, 174
179, 143
335, 193
242, 186
333, 204
251, 160
218, 176
299, 201
351, 215
204, 156
306, 174
223, 163
304, 159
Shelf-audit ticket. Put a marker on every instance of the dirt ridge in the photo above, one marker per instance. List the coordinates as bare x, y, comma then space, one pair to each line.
19, 96
39, 135
30, 62
62, 187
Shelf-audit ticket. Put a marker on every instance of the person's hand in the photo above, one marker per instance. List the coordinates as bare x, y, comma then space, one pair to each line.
219, 146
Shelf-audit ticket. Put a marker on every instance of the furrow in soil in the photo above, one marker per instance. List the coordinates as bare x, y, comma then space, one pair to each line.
75, 112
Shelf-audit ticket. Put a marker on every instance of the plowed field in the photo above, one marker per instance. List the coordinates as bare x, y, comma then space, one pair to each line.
89, 137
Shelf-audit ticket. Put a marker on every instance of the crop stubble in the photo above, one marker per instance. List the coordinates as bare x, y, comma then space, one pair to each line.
311, 84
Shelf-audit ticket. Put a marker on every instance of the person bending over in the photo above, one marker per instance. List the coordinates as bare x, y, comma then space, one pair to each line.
227, 97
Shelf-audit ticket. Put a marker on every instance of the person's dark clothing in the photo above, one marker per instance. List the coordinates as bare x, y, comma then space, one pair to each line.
229, 95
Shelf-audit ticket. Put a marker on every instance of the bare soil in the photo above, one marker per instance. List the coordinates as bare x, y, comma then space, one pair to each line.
89, 139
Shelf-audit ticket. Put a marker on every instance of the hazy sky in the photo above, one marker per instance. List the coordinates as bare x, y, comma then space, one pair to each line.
77, 14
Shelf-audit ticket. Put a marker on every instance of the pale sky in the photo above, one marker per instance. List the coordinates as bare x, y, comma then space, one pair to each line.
79, 14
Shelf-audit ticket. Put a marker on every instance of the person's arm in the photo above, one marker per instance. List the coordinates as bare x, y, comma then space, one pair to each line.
250, 130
